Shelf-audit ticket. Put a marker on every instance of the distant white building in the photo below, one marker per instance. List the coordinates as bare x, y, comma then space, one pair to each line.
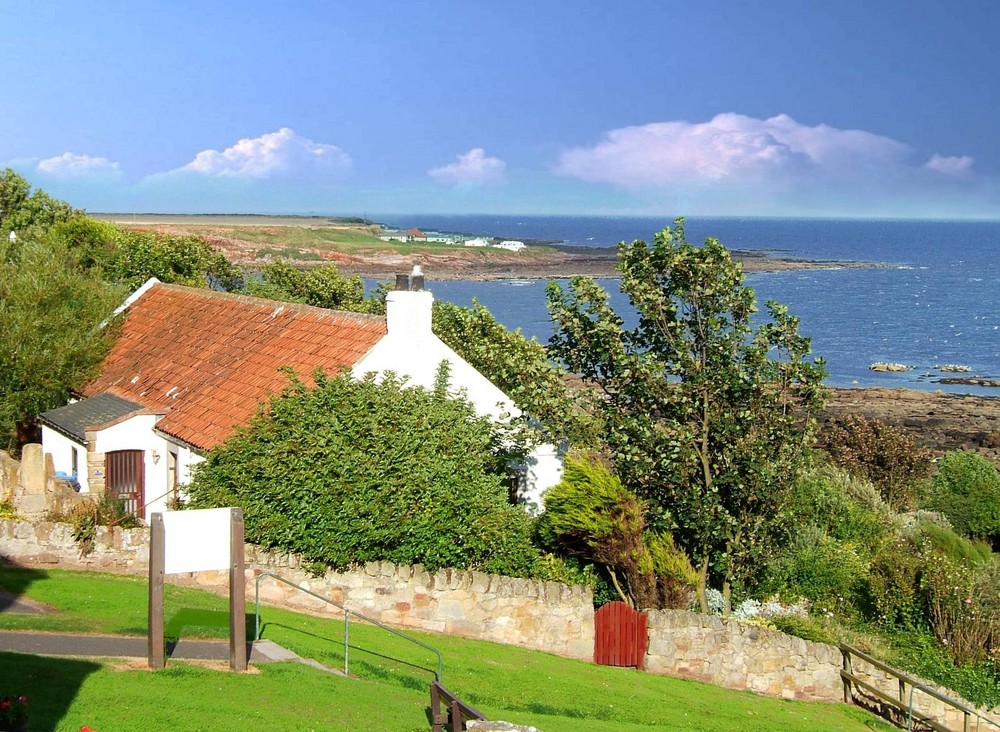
514, 246
392, 235
477, 242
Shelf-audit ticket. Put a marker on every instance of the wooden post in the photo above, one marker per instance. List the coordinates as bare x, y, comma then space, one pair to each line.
157, 558
237, 596
849, 669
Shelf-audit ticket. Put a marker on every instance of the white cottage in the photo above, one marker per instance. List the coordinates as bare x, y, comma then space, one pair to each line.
192, 364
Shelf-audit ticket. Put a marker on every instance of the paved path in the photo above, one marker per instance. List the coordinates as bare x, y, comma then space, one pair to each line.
117, 646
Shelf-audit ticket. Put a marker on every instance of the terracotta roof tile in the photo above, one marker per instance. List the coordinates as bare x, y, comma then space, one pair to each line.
208, 359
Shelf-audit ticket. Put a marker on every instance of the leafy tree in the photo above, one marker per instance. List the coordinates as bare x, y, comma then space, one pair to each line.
706, 415
966, 489
21, 209
50, 342
520, 367
884, 454
355, 471
591, 515
322, 286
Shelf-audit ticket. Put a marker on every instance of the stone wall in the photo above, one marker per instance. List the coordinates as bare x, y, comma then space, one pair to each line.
753, 658
546, 616
32, 486
50, 544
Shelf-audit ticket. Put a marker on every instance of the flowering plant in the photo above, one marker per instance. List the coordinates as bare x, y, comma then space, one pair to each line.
13, 710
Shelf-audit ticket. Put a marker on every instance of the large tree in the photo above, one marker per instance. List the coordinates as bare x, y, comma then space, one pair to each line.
706, 414
22, 209
51, 341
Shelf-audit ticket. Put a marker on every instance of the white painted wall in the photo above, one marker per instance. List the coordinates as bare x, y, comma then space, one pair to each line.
136, 433
61, 448
411, 349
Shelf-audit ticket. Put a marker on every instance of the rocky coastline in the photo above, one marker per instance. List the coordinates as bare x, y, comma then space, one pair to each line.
938, 421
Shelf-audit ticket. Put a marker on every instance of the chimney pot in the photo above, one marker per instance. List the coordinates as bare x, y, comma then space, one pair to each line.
402, 282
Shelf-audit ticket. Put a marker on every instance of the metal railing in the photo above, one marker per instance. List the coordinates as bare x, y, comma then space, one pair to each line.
901, 703
347, 622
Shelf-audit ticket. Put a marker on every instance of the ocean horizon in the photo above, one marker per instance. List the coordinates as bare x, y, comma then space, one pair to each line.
934, 299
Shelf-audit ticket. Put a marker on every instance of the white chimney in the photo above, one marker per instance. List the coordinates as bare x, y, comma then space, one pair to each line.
408, 311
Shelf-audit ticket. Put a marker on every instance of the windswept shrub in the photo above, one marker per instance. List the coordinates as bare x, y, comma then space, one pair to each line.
591, 515
893, 586
963, 603
355, 471
946, 542
885, 455
966, 489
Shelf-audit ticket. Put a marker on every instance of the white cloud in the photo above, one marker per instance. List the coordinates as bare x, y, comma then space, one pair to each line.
730, 148
471, 167
281, 154
74, 165
957, 165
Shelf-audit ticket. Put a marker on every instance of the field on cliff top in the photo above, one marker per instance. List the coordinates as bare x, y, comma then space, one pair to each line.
390, 691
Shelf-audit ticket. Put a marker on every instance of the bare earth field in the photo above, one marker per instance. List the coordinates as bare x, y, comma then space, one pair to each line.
356, 249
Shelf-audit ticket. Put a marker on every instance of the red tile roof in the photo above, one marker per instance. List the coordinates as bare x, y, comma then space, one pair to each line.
207, 359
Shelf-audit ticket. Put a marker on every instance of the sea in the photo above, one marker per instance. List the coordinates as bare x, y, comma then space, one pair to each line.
931, 297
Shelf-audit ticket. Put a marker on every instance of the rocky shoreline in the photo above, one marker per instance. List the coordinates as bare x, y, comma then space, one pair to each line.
941, 422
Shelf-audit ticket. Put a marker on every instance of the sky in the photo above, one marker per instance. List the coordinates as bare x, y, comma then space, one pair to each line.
854, 108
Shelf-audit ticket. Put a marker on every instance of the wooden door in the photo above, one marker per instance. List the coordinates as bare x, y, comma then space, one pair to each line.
125, 478
620, 635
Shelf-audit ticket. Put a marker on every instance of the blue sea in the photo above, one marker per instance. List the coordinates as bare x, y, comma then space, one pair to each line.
934, 299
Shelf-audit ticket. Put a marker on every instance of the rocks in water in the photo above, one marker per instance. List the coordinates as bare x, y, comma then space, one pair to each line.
970, 381
954, 368
885, 366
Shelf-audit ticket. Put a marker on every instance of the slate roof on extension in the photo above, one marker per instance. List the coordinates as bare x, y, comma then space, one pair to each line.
73, 419
207, 359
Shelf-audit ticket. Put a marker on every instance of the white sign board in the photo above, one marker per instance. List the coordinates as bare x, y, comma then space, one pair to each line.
195, 541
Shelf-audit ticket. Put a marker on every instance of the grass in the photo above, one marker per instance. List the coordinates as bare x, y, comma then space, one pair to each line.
347, 240
389, 693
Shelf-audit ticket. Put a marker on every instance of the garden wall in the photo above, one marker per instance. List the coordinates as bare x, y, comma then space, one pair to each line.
753, 658
546, 616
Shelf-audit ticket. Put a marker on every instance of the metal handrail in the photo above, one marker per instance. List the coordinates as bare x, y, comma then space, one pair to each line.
347, 621
848, 676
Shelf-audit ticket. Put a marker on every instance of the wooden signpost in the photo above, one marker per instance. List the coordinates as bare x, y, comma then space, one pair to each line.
197, 541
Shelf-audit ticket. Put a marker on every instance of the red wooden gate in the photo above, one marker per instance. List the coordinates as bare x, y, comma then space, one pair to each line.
620, 635
125, 478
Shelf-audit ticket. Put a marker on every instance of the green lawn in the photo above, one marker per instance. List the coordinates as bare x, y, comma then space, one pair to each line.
389, 693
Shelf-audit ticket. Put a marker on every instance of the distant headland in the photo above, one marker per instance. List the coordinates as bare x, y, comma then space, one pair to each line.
355, 246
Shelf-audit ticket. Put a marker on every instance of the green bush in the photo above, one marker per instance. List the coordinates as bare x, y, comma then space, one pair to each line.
844, 506
807, 628
885, 455
920, 653
355, 471
893, 586
966, 489
956, 547
592, 516
963, 602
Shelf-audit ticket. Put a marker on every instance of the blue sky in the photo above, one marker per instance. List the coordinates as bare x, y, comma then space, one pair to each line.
720, 107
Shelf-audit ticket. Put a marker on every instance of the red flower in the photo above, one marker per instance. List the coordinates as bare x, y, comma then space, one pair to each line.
5, 705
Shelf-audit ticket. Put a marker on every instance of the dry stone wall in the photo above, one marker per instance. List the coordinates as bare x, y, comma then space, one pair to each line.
753, 658
546, 616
